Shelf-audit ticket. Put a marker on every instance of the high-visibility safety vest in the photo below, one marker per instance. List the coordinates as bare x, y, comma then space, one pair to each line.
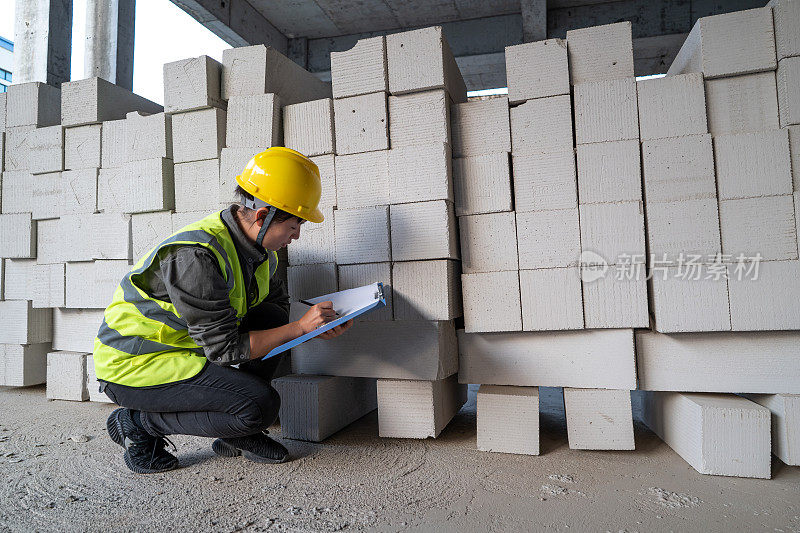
144, 341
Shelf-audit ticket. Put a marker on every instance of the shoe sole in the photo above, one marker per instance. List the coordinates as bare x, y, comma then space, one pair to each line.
114, 427
224, 449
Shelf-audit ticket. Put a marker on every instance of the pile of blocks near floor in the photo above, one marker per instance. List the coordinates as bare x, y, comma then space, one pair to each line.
389, 218
718, 137
550, 285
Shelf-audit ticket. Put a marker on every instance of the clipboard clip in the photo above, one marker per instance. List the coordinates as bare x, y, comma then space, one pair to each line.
379, 293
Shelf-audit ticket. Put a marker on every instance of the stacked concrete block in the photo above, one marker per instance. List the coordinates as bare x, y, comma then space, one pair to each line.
683, 304
362, 123
46, 150
508, 419
17, 147
785, 14
197, 185
599, 419
600, 53
198, 135
765, 298
418, 409
419, 118
492, 301
480, 127
426, 290
410, 244
22, 324
482, 184
83, 147
149, 229
52, 240
361, 69
763, 225
419, 173
542, 125
741, 104
20, 277
362, 179
111, 236
66, 376
254, 122
308, 127
191, 84
606, 111
79, 191
95, 100
92, 284
672, 107
788, 82
92, 385
362, 235
32, 104
489, 243
317, 244
548, 239
73, 229
785, 423
231, 163
358, 275
49, 283
23, 365
327, 173
551, 299
150, 184
112, 141
753, 164
74, 330
310, 281
17, 191
17, 236
537, 70
148, 136
613, 230
315, 407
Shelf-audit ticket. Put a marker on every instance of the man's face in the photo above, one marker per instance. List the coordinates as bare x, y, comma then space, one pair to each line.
281, 234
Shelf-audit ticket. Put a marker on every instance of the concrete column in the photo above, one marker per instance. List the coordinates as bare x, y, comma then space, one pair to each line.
108, 48
534, 20
298, 51
43, 41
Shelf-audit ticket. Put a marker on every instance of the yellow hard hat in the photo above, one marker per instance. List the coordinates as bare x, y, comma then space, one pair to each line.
285, 179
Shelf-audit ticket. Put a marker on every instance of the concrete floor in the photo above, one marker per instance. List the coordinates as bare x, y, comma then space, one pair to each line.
356, 481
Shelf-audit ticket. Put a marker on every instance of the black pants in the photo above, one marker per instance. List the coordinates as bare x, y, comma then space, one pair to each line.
218, 402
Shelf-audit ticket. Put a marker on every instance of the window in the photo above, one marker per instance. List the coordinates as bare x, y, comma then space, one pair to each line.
5, 75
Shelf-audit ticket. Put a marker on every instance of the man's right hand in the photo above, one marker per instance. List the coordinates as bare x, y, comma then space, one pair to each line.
318, 315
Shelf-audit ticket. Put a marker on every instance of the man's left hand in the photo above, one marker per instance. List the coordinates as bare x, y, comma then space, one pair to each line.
336, 331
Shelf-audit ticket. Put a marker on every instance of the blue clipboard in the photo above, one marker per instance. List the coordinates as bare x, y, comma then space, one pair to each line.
349, 304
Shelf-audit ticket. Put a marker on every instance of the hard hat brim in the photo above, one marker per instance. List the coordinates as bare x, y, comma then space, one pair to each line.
316, 216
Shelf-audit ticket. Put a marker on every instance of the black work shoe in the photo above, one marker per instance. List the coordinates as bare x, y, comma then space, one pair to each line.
144, 453
258, 448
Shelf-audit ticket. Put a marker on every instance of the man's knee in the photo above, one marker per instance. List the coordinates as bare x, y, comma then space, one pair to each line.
262, 412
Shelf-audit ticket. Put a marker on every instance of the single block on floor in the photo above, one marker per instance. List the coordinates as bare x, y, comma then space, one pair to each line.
418, 409
785, 409
23, 365
66, 376
599, 419
92, 385
508, 419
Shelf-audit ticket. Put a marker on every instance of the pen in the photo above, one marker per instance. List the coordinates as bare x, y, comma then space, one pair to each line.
312, 305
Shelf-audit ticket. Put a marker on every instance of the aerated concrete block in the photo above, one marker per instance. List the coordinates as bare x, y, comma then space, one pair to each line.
362, 179
232, 162
600, 53
418, 409
609, 172
48, 285
551, 299
94, 100
482, 184
92, 284
672, 106
22, 324
19, 279
317, 243
785, 14
361, 69
682, 303
92, 385
785, 423
17, 236
352, 276
75, 233
689, 227
66, 376
112, 236
197, 185
2, 150
542, 125
426, 290
753, 164
768, 301
259, 69
481, 126
362, 235
710, 49
308, 127
720, 434
18, 147
32, 104
75, 329
315, 407
544, 181
82, 147
548, 239
419, 173
198, 135
742, 104
788, 81
537, 70
113, 190
491, 302
113, 153
794, 148
23, 365
310, 281
17, 192
152, 185
51, 244
599, 419
191, 84
148, 230
419, 119
606, 111
508, 419
614, 300
327, 173
46, 150
79, 191
488, 242
615, 231
439, 241
764, 226
3, 98
678, 169
181, 220
254, 121
362, 124
149, 137
421, 60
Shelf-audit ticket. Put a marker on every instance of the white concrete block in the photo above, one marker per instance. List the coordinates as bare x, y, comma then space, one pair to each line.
599, 419
181, 220
92, 386
606, 111
788, 81
542, 125
420, 60
327, 173
710, 48
683, 304
82, 147
92, 284
51, 244
261, 69
94, 100
111, 234
191, 84
672, 107
113, 190
420, 173
152, 185
17, 192
742, 104
491, 302
785, 424
19, 279
609, 172
23, 365
551, 299
426, 290
586, 359
149, 136
678, 169
75, 329
482, 184
717, 434
362, 180
794, 148
2, 150
48, 285
79, 191
768, 301
613, 300
17, 236
46, 150
32, 104
316, 243
537, 70
388, 349
75, 232
488, 242
112, 141
66, 376
763, 226
480, 126
198, 135
786, 13
254, 121
419, 119
688, 227
3, 98
197, 185
352, 276
548, 239
438, 241
600, 53
310, 281
361, 69
615, 231
18, 148
362, 235
418, 409
362, 124
508, 419
148, 230
232, 162
753, 164
544, 181
22, 324
308, 127
315, 407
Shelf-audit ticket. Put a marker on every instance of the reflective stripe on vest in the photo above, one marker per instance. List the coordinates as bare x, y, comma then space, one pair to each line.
144, 341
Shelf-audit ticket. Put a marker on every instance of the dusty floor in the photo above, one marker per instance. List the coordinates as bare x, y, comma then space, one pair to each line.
356, 481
